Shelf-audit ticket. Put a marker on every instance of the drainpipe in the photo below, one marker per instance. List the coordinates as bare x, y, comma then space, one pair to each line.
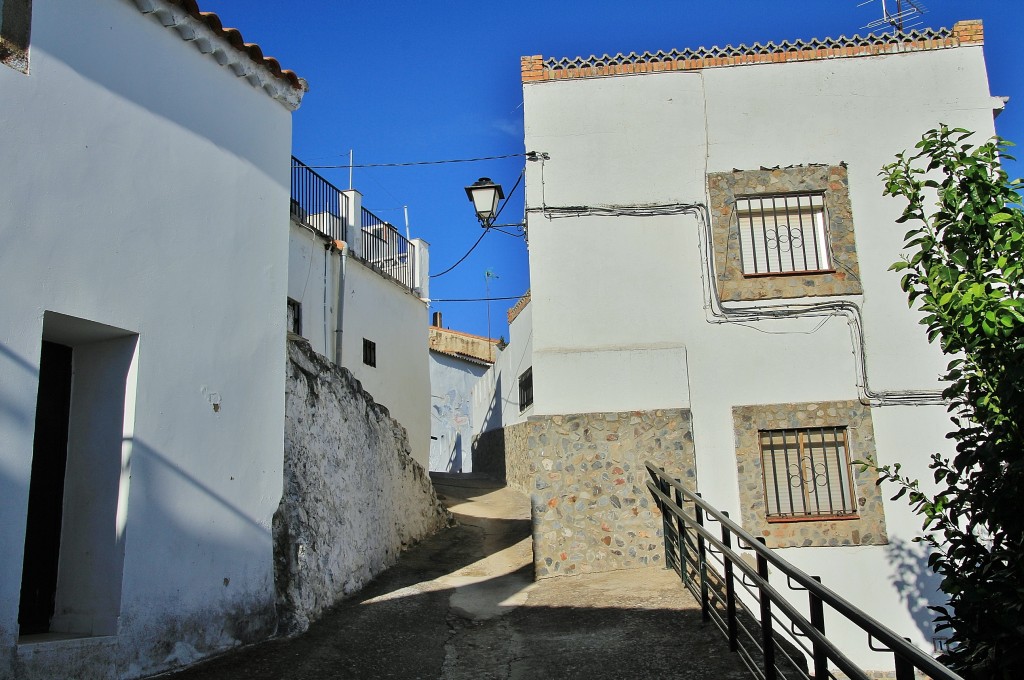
339, 331
327, 319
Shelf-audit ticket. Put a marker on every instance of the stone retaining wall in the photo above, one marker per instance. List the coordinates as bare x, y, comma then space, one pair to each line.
353, 496
591, 508
504, 455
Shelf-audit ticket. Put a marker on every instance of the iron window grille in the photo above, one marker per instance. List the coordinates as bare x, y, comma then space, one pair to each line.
526, 389
807, 473
783, 234
294, 316
369, 352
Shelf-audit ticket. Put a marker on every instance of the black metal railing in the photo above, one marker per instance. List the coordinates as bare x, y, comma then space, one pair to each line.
386, 250
317, 203
777, 640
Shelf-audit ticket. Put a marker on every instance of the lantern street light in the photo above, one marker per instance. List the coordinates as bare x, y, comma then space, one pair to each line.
485, 195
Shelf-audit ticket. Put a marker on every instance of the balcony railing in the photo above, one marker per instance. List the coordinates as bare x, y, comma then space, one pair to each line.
317, 203
386, 250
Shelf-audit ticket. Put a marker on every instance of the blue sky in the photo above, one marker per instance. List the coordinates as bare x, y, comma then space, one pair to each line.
417, 80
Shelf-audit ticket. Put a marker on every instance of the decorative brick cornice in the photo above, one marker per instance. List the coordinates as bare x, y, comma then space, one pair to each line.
519, 306
536, 68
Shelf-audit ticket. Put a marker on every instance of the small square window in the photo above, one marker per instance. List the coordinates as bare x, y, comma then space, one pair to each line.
369, 352
526, 389
807, 473
783, 234
294, 316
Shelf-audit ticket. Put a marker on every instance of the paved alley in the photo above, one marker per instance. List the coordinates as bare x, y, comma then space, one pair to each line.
463, 605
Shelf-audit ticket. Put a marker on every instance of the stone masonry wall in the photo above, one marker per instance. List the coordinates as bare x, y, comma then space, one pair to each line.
591, 507
353, 496
504, 455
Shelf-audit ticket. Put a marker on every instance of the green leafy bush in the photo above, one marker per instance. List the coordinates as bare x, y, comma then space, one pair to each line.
964, 269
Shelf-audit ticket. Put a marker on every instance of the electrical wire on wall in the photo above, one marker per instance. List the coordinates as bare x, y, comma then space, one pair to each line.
716, 311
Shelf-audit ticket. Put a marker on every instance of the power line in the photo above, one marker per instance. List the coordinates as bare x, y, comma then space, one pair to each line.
461, 259
473, 247
406, 164
484, 299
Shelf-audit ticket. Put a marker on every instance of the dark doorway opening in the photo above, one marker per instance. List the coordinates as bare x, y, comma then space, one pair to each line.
46, 490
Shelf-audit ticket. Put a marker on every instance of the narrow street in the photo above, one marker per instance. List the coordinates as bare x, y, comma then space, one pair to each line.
463, 605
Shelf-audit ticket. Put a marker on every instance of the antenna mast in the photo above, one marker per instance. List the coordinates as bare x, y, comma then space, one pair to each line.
907, 15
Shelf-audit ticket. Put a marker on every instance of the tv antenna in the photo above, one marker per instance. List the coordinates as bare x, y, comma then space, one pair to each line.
908, 14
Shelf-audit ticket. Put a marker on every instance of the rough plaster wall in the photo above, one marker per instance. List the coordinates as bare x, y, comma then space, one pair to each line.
353, 496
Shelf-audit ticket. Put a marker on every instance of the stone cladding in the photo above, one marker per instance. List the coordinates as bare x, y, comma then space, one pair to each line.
725, 187
867, 528
504, 455
591, 508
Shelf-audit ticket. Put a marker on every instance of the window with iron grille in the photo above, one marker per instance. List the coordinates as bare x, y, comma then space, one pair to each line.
783, 234
807, 473
369, 352
294, 316
525, 389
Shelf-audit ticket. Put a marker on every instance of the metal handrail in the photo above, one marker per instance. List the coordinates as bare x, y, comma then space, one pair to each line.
385, 249
907, 656
316, 203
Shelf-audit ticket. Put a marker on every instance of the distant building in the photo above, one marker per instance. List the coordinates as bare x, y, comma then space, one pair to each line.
709, 254
457, 360
144, 267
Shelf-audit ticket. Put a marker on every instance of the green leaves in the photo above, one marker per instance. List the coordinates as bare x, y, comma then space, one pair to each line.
964, 268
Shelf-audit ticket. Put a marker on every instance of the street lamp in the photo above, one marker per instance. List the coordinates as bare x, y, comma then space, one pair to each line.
485, 195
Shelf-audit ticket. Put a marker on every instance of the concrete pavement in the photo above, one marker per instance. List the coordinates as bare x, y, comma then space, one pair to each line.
463, 604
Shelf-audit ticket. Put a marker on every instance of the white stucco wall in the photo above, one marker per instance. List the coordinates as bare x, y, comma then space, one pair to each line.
496, 394
382, 311
451, 411
314, 280
620, 303
146, 188
374, 307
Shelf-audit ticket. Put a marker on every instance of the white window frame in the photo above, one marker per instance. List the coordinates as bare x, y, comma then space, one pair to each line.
770, 244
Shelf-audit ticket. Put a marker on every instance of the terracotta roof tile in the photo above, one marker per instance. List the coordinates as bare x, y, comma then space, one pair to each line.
234, 37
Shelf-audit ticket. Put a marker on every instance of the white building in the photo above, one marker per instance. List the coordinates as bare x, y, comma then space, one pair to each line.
457, 361
144, 266
667, 326
504, 395
357, 290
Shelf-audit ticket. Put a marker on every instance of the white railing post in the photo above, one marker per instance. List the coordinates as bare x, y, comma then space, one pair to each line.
354, 220
421, 268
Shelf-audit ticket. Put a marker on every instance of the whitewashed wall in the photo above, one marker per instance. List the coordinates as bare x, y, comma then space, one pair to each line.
496, 393
451, 411
353, 498
314, 280
384, 312
619, 303
146, 188
329, 283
